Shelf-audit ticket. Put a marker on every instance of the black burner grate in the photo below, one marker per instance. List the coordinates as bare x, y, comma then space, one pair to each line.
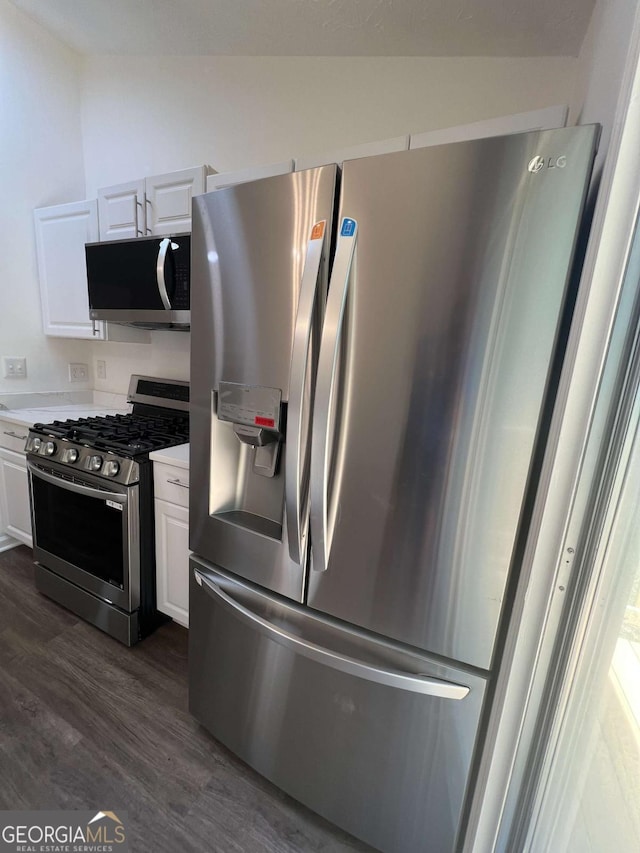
129, 434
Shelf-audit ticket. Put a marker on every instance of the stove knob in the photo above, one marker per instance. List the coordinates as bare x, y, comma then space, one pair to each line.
111, 468
50, 448
95, 463
72, 455
35, 444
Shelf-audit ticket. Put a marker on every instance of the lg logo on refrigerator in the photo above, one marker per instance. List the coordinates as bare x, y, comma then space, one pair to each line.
538, 163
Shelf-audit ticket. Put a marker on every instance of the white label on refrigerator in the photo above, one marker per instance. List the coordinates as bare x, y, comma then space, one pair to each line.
252, 405
114, 505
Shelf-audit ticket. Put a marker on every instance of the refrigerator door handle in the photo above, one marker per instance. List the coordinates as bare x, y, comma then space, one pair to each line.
321, 528
413, 682
296, 479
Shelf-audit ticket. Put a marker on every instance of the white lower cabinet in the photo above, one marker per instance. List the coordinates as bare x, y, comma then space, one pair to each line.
15, 514
172, 560
171, 507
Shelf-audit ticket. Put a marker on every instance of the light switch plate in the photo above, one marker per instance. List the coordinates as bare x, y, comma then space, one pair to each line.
78, 372
14, 368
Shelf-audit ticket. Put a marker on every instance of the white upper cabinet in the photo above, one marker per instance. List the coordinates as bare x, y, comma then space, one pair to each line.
157, 205
241, 176
121, 211
61, 233
544, 119
168, 199
353, 152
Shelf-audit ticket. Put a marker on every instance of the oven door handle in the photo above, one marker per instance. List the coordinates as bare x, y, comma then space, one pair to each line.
87, 491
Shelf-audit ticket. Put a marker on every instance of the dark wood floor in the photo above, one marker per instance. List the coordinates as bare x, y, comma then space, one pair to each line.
86, 723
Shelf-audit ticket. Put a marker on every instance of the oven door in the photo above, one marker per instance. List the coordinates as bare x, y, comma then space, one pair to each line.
87, 533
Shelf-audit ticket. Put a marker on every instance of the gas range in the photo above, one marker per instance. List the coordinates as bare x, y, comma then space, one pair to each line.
109, 445
91, 484
112, 446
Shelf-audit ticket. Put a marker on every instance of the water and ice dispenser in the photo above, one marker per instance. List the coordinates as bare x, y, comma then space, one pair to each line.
247, 437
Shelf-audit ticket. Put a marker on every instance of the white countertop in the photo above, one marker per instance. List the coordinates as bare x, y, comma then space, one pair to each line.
178, 456
47, 414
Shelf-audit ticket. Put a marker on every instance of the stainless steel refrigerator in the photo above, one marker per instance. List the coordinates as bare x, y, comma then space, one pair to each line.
362, 455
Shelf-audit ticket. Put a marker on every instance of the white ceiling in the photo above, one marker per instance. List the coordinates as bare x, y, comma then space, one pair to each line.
317, 27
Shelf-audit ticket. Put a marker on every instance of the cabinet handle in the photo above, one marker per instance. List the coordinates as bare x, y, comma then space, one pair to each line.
178, 483
15, 435
96, 331
139, 231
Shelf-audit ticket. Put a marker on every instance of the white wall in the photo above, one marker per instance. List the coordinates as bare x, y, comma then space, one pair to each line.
146, 115
167, 356
41, 163
143, 115
601, 66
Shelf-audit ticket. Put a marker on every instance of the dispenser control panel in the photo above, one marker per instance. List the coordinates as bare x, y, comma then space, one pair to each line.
251, 405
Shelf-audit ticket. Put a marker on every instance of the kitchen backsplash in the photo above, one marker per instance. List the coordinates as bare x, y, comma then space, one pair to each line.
167, 356
44, 399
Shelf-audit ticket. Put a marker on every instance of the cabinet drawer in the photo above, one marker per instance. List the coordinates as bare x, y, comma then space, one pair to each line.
171, 483
13, 436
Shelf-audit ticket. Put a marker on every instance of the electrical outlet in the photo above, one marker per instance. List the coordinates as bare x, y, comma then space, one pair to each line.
14, 368
101, 368
78, 372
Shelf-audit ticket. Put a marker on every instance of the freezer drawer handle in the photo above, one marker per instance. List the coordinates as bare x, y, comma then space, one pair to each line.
297, 474
414, 683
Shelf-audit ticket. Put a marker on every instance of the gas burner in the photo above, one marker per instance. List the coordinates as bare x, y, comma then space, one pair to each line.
127, 435
116, 447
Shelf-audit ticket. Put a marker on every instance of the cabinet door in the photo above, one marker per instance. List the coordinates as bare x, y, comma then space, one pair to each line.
544, 119
172, 560
353, 152
14, 496
168, 200
61, 233
121, 211
229, 179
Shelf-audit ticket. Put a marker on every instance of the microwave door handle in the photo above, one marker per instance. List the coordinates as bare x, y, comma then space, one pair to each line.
322, 521
296, 500
78, 488
160, 268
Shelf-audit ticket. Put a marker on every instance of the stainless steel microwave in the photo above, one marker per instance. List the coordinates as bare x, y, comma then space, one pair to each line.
143, 282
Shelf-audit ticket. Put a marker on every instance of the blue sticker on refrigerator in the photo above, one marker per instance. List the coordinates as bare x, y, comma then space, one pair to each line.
348, 227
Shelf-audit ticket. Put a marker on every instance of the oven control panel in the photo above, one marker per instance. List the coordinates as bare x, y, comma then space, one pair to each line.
77, 457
